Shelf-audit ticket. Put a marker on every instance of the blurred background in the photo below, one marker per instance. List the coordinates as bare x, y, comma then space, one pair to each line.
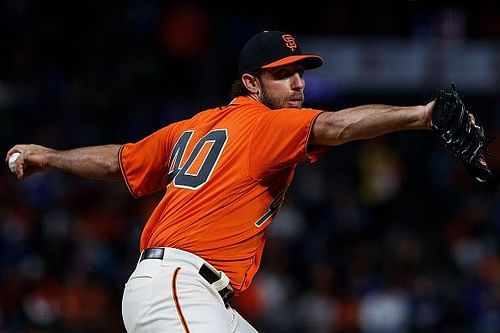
387, 235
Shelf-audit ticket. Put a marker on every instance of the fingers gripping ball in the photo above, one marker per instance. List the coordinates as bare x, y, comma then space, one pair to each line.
12, 161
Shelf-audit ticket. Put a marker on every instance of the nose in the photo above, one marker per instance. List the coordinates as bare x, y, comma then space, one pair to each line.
297, 81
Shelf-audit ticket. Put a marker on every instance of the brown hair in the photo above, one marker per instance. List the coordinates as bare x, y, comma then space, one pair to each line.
238, 89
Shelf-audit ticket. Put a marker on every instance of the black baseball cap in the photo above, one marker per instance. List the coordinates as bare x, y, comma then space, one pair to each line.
270, 49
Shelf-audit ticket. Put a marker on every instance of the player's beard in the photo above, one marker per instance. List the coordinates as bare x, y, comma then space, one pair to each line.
274, 101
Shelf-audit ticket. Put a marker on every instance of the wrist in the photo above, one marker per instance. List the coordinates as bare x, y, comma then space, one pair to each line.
48, 158
427, 114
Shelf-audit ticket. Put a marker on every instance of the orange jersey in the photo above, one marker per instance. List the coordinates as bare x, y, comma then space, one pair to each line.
224, 172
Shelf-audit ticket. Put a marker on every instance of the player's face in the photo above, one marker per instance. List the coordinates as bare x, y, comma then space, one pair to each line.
283, 87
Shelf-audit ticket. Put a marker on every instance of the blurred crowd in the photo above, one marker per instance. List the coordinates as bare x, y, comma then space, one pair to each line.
382, 236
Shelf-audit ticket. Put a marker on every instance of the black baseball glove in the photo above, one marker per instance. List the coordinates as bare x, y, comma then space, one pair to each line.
460, 134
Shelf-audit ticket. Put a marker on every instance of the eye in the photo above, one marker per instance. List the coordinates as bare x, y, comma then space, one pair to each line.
285, 72
282, 73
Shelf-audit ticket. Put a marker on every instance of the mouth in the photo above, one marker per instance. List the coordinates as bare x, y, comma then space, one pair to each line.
296, 101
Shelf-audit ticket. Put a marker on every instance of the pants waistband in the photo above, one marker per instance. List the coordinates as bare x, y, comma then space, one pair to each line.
217, 279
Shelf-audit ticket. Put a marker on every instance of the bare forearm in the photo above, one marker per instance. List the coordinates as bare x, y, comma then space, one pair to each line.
368, 121
96, 162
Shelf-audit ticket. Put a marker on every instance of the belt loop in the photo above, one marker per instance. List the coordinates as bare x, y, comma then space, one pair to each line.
164, 257
221, 283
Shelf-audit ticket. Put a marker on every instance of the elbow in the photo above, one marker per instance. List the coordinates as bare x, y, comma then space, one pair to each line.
110, 169
114, 171
113, 166
332, 130
343, 135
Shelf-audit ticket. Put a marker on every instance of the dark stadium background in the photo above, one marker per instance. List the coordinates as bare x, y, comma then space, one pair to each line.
387, 235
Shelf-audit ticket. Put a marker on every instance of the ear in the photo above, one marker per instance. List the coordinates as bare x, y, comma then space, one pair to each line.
252, 83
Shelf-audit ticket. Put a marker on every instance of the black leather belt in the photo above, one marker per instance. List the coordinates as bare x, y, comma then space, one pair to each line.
205, 271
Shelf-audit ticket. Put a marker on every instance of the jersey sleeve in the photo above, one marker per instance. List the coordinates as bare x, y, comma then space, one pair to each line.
280, 139
144, 163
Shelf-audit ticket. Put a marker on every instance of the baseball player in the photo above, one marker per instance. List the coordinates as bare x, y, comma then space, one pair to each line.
225, 173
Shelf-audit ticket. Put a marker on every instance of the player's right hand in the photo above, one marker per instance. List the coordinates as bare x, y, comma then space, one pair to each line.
33, 159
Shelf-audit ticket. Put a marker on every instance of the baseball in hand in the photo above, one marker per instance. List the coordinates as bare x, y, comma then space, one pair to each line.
12, 162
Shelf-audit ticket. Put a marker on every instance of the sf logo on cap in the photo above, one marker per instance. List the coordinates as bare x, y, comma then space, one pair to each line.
290, 42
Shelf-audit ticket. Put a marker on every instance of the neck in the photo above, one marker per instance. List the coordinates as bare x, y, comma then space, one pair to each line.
255, 97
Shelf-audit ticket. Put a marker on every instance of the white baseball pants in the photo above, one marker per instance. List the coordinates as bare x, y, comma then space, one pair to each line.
169, 295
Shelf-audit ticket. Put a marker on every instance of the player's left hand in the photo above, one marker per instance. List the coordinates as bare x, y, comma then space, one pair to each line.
459, 132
